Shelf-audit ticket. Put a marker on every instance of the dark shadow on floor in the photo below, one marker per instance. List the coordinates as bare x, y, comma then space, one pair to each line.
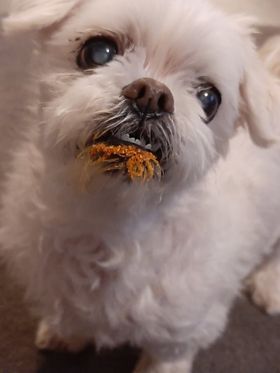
121, 360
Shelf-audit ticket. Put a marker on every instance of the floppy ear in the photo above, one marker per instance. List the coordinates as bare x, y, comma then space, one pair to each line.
261, 102
34, 15
260, 91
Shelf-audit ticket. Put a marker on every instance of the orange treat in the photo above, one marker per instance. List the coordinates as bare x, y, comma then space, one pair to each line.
135, 162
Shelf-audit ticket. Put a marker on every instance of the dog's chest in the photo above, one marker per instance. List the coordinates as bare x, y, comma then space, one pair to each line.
118, 292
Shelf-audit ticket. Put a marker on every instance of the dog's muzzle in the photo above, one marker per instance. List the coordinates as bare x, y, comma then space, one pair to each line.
143, 121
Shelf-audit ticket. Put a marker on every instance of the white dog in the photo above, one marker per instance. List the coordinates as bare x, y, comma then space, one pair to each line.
157, 264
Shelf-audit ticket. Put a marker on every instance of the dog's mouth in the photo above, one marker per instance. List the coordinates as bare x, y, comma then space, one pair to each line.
131, 155
137, 148
138, 139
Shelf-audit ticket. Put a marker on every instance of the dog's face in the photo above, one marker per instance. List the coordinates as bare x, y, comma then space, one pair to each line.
164, 75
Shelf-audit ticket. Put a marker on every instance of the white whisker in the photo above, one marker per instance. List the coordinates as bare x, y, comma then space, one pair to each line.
156, 134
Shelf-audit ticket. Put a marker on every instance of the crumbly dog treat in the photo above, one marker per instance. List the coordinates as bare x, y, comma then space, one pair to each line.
136, 163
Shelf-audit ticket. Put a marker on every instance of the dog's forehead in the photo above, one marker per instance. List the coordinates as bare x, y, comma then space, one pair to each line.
148, 21
186, 32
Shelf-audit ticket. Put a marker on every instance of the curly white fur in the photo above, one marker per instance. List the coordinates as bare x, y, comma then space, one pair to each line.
156, 265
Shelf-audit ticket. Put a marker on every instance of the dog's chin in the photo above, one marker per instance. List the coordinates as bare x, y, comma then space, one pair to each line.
114, 191
118, 187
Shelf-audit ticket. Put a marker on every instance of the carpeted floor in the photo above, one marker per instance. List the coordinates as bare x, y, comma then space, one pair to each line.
251, 344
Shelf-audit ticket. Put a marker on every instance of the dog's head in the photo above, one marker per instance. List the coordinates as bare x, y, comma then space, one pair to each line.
172, 77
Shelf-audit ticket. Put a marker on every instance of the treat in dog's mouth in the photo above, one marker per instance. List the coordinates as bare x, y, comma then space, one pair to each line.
134, 158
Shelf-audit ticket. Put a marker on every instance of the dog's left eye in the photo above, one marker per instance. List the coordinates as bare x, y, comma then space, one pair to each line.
210, 99
97, 51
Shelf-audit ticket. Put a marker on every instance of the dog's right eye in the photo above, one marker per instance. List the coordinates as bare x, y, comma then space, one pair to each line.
97, 51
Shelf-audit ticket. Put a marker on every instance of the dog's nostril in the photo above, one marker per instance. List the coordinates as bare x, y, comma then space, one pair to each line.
162, 101
166, 103
142, 92
150, 96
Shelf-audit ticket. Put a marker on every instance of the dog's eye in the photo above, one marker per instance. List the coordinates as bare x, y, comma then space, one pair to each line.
210, 99
97, 51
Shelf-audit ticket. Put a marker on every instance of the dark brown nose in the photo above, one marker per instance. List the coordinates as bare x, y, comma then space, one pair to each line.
150, 96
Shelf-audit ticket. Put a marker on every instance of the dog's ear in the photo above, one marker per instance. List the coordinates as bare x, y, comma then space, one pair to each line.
260, 92
35, 15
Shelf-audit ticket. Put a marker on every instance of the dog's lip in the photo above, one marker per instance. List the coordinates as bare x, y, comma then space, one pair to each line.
111, 139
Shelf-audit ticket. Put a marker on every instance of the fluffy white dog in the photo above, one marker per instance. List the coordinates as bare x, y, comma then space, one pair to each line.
156, 263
